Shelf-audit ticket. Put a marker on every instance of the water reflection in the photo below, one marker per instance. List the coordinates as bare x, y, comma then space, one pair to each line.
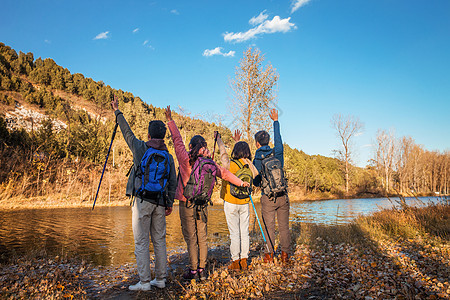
104, 235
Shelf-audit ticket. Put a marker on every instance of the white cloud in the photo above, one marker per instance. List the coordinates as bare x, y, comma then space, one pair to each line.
135, 30
268, 26
175, 12
146, 44
102, 36
217, 51
296, 4
47, 41
259, 19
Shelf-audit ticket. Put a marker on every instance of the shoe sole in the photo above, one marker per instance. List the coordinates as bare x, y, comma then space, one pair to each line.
137, 290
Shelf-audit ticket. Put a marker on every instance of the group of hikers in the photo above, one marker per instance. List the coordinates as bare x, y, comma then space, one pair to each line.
154, 185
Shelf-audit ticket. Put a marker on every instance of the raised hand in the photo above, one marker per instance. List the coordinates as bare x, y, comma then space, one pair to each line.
273, 114
237, 135
115, 103
168, 113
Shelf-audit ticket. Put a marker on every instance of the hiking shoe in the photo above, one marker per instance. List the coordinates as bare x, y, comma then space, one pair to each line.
202, 274
243, 263
234, 265
268, 258
190, 274
160, 283
140, 286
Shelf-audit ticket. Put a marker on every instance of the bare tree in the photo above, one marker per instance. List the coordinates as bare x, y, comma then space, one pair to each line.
253, 92
347, 128
385, 154
405, 146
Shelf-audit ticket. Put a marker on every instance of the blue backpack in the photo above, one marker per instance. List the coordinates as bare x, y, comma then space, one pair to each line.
154, 170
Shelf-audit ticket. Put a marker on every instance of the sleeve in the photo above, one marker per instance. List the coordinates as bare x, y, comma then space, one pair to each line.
127, 133
228, 176
257, 180
224, 158
172, 184
180, 150
278, 147
252, 167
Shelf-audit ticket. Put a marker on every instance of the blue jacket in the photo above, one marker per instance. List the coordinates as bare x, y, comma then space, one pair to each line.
266, 150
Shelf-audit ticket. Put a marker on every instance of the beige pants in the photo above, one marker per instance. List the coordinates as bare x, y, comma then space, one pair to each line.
149, 220
194, 233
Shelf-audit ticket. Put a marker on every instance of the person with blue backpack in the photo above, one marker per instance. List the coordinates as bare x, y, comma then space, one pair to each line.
274, 189
196, 180
152, 184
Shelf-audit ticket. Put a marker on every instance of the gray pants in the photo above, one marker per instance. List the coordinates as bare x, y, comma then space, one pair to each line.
195, 234
149, 220
280, 209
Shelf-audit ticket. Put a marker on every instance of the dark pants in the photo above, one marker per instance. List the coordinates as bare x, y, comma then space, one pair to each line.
279, 207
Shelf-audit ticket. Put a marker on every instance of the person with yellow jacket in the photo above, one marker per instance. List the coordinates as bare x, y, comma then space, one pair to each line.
236, 208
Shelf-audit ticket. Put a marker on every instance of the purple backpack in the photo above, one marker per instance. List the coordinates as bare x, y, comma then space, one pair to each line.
200, 185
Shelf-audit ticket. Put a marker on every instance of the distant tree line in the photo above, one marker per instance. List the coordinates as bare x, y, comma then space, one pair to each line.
406, 167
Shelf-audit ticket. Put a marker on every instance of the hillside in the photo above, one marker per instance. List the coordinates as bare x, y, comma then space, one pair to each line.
55, 129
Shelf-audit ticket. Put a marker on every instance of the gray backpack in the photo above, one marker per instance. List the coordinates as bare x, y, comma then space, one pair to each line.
274, 183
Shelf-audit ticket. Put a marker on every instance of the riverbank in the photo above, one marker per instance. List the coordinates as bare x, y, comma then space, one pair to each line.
62, 201
399, 253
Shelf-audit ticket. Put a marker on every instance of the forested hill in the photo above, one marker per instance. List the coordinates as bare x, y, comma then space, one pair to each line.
56, 127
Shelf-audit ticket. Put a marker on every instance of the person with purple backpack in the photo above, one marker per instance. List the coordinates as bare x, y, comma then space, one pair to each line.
196, 178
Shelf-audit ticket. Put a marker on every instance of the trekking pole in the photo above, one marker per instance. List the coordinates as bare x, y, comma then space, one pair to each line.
106, 160
259, 223
216, 134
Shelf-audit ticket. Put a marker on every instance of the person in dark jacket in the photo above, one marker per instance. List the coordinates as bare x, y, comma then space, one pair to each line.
276, 205
148, 217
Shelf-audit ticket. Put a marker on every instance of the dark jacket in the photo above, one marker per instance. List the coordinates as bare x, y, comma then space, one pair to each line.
138, 149
266, 150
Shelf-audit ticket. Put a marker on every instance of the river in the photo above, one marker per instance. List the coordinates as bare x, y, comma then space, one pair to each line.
104, 237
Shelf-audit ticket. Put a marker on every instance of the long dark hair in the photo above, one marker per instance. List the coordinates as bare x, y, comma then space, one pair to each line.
197, 142
241, 150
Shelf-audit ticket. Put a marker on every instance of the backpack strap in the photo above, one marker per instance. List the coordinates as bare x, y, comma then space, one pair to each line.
147, 166
238, 163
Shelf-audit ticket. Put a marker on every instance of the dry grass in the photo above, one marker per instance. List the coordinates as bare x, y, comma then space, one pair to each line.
407, 222
48, 182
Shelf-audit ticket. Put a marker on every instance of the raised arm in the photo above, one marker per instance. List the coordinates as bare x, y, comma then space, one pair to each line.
224, 158
180, 149
278, 143
127, 133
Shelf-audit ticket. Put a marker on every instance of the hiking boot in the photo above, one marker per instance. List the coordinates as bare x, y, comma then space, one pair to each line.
190, 274
268, 258
202, 274
140, 286
284, 257
160, 283
234, 265
243, 263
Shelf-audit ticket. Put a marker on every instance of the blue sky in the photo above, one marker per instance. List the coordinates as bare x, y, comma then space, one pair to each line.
386, 62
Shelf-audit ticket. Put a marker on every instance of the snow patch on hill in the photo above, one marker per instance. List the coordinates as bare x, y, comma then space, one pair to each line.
29, 119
